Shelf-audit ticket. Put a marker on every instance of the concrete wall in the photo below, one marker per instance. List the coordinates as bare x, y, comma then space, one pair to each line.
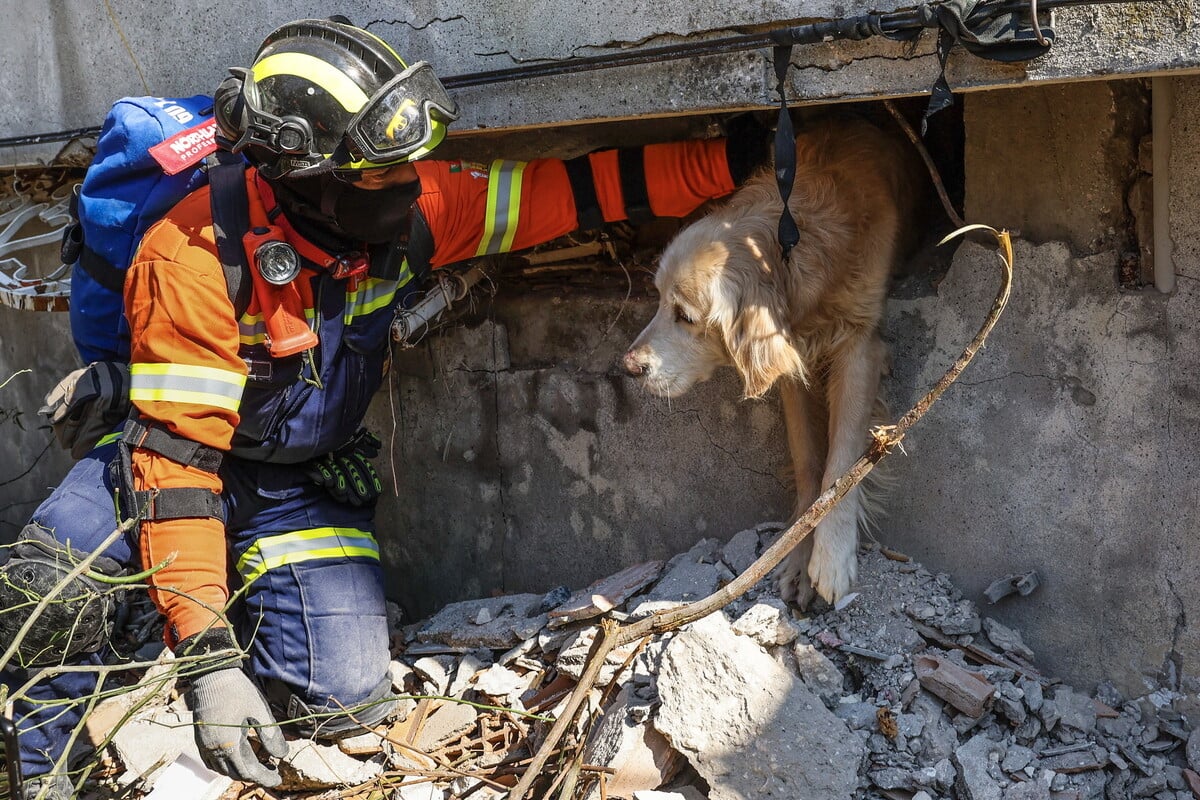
522, 461
68, 60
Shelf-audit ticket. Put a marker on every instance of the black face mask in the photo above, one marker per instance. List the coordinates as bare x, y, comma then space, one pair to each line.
349, 214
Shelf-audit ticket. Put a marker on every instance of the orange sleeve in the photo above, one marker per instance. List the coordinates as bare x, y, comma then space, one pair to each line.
455, 200
183, 335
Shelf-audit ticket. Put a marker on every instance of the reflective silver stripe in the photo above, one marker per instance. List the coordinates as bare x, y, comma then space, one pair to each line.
503, 207
186, 383
372, 295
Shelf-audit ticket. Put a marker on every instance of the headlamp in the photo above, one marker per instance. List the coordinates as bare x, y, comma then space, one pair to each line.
277, 262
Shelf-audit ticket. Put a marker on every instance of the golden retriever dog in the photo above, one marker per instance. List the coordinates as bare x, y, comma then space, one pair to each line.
810, 325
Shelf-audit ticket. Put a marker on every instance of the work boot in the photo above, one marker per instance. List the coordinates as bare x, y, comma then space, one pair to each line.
48, 787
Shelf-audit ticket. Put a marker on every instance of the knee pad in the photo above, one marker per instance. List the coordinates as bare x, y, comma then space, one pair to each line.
334, 721
78, 619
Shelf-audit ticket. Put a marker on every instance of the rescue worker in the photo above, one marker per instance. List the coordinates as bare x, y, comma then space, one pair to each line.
244, 452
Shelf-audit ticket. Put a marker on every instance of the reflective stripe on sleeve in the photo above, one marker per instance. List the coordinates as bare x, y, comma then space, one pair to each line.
272, 552
374, 294
186, 383
503, 207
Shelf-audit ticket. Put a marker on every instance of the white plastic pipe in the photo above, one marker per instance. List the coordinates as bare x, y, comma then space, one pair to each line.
1162, 101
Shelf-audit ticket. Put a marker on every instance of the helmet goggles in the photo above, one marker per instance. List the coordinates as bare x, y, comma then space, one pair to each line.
400, 119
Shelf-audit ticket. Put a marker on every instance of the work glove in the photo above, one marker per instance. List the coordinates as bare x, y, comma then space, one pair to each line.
87, 404
347, 473
747, 145
226, 705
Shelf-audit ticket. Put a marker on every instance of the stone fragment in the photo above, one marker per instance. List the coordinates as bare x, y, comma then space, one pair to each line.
399, 673
641, 758
554, 598
1075, 710
468, 667
816, 671
1193, 750
685, 793
1021, 583
510, 617
1078, 761
437, 670
961, 619
1016, 758
146, 745
938, 737
692, 575
1007, 639
1033, 693
972, 759
1029, 790
859, 716
445, 722
922, 795
740, 551
768, 622
891, 778
312, 765
1193, 782
365, 744
483, 616
606, 594
967, 691
762, 733
501, 682
572, 659
422, 790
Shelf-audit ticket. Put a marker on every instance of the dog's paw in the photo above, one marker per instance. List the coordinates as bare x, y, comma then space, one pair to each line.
834, 563
794, 585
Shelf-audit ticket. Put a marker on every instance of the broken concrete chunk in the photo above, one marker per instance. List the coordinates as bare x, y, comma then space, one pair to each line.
686, 793
1016, 758
1022, 583
740, 551
448, 721
419, 789
762, 733
509, 617
1029, 790
483, 616
891, 778
768, 622
437, 671
820, 675
572, 659
859, 716
146, 746
972, 760
960, 619
641, 758
1075, 710
501, 682
606, 594
468, 667
311, 765
692, 575
1005, 638
967, 691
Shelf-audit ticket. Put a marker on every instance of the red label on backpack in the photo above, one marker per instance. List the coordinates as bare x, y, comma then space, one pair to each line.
187, 148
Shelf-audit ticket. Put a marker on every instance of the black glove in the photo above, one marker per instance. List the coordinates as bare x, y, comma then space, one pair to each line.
747, 145
347, 473
87, 404
226, 705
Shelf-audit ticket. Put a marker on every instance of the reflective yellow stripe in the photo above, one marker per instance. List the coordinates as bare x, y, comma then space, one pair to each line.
323, 74
108, 439
186, 383
252, 328
272, 552
503, 207
374, 294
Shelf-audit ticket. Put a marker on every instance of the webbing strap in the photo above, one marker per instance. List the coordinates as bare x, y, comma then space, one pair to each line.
179, 503
97, 267
178, 449
583, 187
231, 220
785, 153
631, 165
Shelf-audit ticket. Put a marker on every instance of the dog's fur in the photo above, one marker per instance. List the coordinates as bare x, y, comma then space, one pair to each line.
727, 299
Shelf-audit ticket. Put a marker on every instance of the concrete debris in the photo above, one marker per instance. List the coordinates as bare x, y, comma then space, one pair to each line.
902, 692
1022, 584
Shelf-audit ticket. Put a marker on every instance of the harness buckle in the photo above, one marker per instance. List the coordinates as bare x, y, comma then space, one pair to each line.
351, 265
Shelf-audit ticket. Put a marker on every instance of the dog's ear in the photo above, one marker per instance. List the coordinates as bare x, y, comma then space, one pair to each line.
757, 339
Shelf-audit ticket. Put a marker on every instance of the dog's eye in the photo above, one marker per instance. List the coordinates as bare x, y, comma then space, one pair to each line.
683, 316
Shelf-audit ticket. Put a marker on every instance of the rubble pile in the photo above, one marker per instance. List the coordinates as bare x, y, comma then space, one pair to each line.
901, 691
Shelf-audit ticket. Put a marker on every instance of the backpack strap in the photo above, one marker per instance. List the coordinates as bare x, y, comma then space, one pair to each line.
231, 220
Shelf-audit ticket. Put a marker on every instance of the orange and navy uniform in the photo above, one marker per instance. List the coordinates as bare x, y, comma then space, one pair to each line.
193, 364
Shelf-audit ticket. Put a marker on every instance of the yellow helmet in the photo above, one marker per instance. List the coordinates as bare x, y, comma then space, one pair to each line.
325, 95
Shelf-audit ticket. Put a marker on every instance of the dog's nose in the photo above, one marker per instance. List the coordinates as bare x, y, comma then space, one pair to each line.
632, 364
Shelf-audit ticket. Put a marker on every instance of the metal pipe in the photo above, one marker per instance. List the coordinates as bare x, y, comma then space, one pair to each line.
1162, 109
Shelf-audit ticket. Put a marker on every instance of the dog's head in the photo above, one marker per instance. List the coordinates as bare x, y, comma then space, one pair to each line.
722, 302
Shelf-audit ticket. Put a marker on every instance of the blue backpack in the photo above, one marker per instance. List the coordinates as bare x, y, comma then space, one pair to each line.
148, 157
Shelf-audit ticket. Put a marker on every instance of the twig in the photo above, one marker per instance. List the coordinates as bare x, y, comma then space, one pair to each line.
883, 440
